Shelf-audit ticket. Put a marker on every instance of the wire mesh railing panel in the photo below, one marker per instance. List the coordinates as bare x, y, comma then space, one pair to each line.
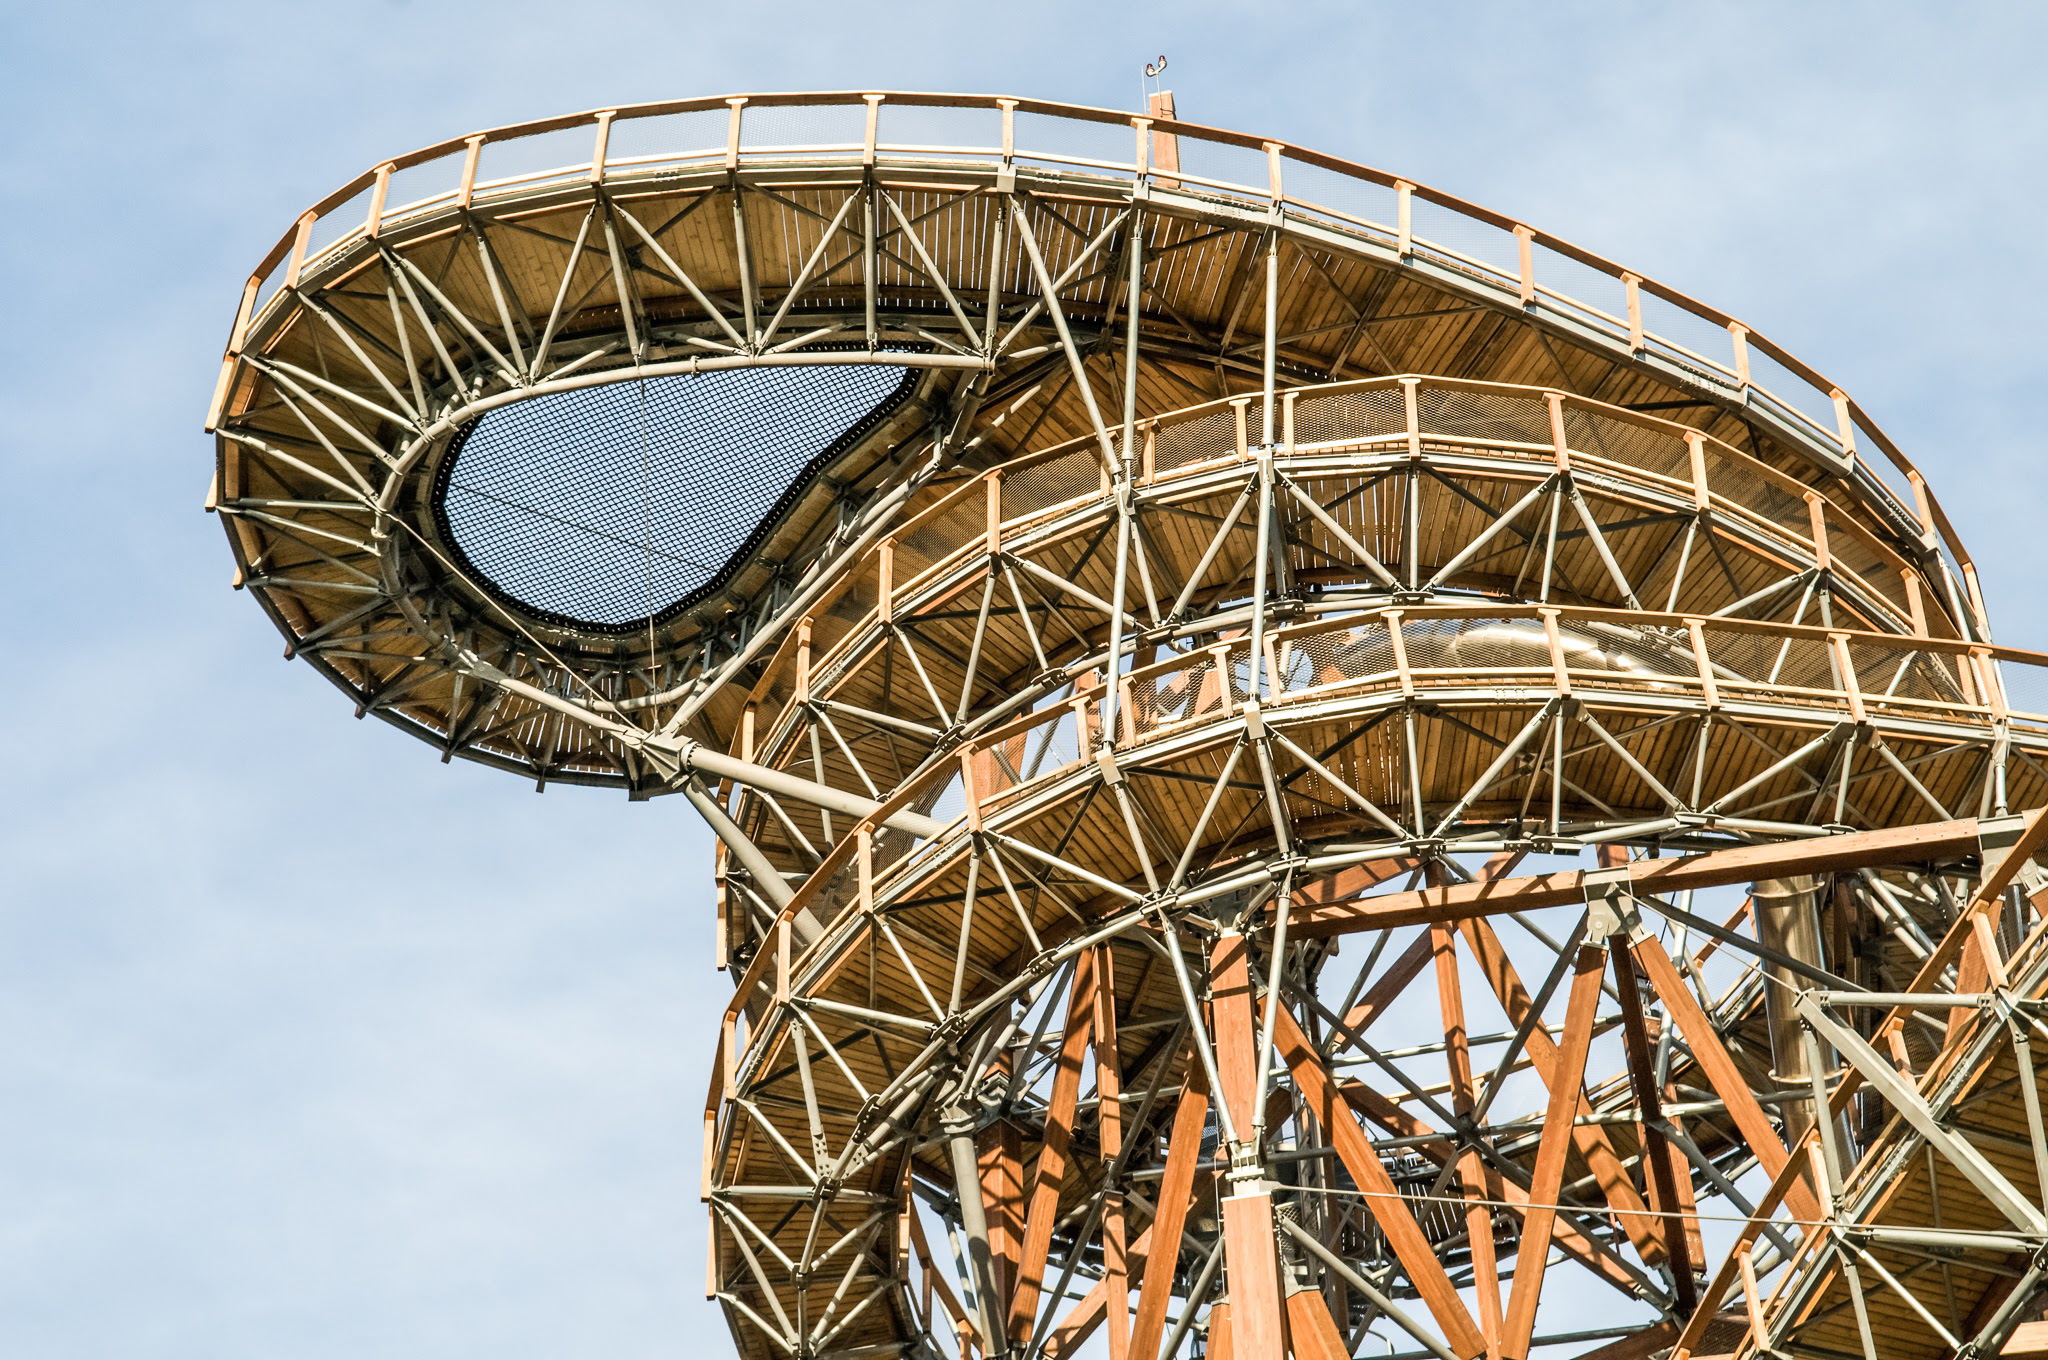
1889, 475
960, 525
1463, 242
340, 221
693, 135
1774, 504
951, 801
1182, 443
1771, 661
803, 127
1739, 656
1350, 417
931, 128
1781, 387
1344, 656
537, 158
1239, 170
1052, 746
1046, 139
1186, 692
2026, 690
1432, 644
1808, 663
1853, 552
1577, 288
1357, 202
857, 599
417, 187
1887, 673
1693, 342
1052, 481
1661, 453
1495, 417
1476, 645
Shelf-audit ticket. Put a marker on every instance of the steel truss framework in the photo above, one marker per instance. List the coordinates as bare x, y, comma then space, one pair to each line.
1148, 771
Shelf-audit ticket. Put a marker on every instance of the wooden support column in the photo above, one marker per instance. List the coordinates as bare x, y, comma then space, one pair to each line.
1410, 1245
1722, 1073
1053, 1152
1591, 1140
1235, 1027
1000, 1155
1547, 1182
1258, 1319
1675, 1234
1109, 1086
1258, 1313
1313, 1330
1481, 1187
1222, 1339
1176, 1196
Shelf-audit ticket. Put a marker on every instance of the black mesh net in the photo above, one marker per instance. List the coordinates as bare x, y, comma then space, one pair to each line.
607, 507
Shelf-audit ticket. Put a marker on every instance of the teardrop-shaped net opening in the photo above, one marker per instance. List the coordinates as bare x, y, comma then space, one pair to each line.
604, 508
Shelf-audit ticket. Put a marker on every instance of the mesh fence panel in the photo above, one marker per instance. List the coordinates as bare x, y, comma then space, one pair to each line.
842, 126
1055, 481
935, 539
1432, 644
1186, 442
1049, 136
543, 155
1052, 746
967, 130
1359, 653
1242, 167
1740, 656
679, 136
1802, 663
1788, 389
1855, 553
1497, 417
1884, 671
1493, 252
1499, 644
1635, 446
2026, 688
418, 183
338, 222
1360, 201
1350, 417
1777, 505
1594, 290
1688, 339
1178, 694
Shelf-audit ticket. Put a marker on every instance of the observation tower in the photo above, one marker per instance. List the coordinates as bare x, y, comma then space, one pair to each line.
1299, 765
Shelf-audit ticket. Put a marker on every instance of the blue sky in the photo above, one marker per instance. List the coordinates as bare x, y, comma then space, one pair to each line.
312, 1046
